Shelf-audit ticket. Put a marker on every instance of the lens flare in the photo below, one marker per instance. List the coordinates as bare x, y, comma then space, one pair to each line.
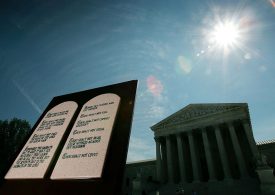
272, 3
154, 86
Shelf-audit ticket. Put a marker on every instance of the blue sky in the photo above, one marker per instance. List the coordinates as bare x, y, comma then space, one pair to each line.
50, 48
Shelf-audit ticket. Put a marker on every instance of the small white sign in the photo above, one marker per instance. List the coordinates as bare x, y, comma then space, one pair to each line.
85, 150
37, 154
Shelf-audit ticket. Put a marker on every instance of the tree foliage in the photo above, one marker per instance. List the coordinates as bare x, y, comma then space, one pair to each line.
12, 135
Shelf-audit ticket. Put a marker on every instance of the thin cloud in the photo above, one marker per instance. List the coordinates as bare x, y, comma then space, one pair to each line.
26, 95
156, 111
208, 71
157, 48
262, 68
247, 56
140, 149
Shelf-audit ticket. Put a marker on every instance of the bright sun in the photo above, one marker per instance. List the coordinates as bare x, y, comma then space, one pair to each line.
225, 35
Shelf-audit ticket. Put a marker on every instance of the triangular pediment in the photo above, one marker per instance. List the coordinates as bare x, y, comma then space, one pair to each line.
196, 111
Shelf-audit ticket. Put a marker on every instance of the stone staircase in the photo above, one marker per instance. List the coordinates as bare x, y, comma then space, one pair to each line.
230, 187
267, 178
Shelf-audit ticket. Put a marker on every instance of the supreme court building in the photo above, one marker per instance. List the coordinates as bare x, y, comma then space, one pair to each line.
202, 148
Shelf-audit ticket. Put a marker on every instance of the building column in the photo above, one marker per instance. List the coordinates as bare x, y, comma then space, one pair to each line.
222, 152
196, 176
169, 159
163, 159
159, 173
250, 138
237, 150
208, 155
181, 160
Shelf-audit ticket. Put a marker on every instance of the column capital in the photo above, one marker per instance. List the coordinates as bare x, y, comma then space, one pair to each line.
157, 139
203, 129
245, 120
231, 122
178, 134
190, 132
216, 126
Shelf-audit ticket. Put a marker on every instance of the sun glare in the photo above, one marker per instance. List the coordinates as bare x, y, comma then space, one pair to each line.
225, 35
226, 32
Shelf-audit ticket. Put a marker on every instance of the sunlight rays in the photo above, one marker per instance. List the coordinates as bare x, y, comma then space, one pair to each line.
225, 32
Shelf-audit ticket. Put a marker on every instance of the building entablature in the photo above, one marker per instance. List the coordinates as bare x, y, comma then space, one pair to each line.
198, 116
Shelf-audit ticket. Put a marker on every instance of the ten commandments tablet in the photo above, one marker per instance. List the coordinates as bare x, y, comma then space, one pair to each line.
37, 154
84, 152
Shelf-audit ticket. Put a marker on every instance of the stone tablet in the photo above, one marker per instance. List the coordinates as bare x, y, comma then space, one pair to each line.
85, 150
35, 157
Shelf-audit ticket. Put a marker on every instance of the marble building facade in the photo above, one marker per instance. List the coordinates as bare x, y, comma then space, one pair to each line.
207, 148
205, 142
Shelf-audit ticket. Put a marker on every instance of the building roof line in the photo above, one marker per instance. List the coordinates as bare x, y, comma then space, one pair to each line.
263, 142
140, 161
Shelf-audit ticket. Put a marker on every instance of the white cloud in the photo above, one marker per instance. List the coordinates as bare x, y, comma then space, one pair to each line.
208, 71
262, 68
140, 149
247, 56
157, 48
156, 111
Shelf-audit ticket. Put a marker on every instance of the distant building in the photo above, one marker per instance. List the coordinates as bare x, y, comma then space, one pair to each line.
203, 148
268, 149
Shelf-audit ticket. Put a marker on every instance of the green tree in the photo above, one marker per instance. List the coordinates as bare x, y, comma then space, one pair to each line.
12, 135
